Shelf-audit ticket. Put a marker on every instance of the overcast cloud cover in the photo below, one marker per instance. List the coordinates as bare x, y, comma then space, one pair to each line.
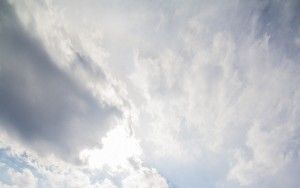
149, 94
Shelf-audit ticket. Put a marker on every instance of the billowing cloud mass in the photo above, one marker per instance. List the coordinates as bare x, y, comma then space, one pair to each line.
143, 94
42, 104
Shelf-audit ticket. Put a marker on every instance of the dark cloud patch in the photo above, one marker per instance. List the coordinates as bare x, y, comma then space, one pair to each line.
40, 103
85, 63
281, 21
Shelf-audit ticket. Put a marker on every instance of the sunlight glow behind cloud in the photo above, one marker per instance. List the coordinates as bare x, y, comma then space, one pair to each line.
117, 149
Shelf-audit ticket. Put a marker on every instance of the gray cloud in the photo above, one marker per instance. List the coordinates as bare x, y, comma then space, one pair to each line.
46, 108
281, 20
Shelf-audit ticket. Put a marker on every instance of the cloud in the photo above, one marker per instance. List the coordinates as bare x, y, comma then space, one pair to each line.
145, 178
59, 99
204, 99
42, 104
18, 164
20, 179
183, 94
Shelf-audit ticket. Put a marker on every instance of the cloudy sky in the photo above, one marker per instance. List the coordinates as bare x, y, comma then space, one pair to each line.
149, 94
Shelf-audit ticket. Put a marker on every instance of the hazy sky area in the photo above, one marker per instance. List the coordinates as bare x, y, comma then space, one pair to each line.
149, 94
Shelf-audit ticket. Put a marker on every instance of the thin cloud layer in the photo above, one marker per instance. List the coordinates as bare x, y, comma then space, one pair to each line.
149, 94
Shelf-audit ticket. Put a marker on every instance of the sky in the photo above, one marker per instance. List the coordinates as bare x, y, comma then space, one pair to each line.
149, 94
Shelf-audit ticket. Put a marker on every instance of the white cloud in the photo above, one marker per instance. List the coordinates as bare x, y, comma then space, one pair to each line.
144, 178
19, 179
117, 149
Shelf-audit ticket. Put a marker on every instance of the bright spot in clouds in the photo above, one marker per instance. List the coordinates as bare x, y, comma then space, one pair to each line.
118, 148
